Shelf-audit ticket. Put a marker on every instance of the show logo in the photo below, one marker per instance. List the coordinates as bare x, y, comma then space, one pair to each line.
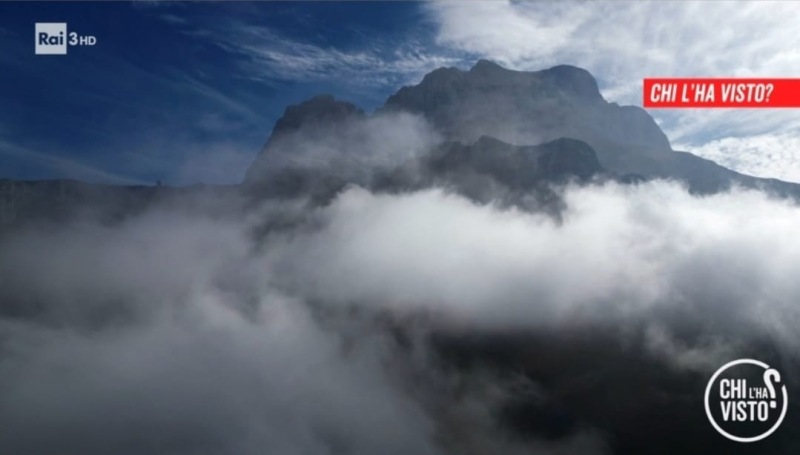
746, 400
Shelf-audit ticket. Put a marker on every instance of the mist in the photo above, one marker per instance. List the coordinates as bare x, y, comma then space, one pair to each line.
343, 141
618, 253
177, 331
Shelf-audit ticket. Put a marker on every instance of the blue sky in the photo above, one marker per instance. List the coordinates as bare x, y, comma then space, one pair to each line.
188, 92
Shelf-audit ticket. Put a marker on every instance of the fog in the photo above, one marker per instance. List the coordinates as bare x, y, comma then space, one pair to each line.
179, 332
619, 253
348, 145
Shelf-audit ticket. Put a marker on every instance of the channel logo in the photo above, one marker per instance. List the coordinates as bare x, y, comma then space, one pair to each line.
52, 38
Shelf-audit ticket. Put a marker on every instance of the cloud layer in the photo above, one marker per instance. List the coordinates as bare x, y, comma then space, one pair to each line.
620, 252
176, 332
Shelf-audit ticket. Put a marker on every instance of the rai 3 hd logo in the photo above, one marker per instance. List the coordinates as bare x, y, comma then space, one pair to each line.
52, 38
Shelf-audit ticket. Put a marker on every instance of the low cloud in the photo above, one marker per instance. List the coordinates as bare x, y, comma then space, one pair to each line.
352, 149
174, 332
620, 253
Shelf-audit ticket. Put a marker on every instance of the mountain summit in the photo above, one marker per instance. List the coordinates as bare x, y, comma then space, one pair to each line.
524, 108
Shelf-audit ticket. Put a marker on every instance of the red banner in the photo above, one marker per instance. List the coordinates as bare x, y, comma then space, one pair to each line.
721, 92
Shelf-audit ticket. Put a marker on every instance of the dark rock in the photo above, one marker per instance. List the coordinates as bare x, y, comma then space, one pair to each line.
533, 107
320, 111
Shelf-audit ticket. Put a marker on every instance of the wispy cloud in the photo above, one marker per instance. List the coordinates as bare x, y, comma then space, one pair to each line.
150, 4
268, 55
173, 19
623, 42
230, 103
766, 155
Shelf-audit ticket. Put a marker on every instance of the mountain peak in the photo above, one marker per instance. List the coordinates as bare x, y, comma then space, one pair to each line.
530, 107
574, 80
486, 65
516, 107
320, 110
501, 113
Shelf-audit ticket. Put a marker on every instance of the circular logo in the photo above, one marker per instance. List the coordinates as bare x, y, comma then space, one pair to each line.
742, 402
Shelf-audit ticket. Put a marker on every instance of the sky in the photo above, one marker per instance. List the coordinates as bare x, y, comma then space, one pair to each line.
187, 93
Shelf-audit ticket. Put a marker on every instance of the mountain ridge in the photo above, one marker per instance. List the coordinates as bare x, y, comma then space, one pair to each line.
534, 107
486, 108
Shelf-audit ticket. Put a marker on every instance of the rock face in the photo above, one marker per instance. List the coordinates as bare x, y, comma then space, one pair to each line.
319, 112
490, 170
520, 167
526, 108
317, 120
318, 145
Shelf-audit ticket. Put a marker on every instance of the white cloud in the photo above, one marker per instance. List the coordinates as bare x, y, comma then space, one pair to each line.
269, 56
765, 155
181, 366
178, 331
167, 336
623, 42
173, 19
621, 254
353, 151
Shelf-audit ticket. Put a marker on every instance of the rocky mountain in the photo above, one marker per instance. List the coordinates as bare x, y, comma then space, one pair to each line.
533, 107
521, 108
489, 132
518, 166
490, 170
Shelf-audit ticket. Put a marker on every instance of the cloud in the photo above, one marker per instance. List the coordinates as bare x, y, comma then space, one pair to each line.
205, 380
148, 325
152, 4
180, 330
622, 253
229, 103
267, 55
169, 333
173, 19
352, 149
623, 42
765, 155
